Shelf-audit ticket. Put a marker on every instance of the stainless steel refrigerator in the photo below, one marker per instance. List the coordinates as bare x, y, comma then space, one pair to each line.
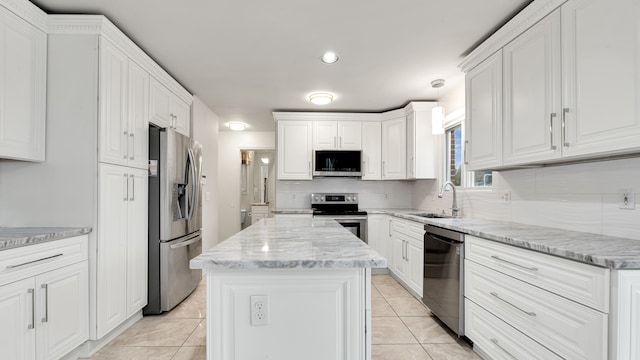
175, 218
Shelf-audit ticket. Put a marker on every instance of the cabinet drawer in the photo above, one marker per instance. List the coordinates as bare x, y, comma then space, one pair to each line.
412, 229
499, 340
567, 328
31, 260
586, 284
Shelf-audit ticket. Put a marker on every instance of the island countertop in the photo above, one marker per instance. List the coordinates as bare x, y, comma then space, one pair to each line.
276, 243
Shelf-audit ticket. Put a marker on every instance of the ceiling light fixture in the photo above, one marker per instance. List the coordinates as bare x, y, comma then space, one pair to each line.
321, 98
329, 57
237, 126
437, 113
265, 160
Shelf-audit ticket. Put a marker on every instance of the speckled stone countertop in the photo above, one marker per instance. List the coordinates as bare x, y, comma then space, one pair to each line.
288, 243
606, 251
292, 211
13, 237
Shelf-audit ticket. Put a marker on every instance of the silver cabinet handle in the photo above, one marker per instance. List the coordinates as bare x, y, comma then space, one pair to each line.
564, 127
126, 139
514, 264
34, 261
406, 250
340, 142
390, 227
466, 146
335, 142
530, 313
133, 146
133, 187
32, 292
495, 341
45, 287
553, 115
383, 173
126, 187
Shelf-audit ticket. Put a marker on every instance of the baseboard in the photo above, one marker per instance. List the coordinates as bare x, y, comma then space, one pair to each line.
380, 271
90, 347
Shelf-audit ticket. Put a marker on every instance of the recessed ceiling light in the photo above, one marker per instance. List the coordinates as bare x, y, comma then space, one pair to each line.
329, 57
321, 98
237, 126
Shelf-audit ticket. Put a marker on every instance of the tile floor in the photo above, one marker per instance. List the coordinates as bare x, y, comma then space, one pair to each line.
402, 330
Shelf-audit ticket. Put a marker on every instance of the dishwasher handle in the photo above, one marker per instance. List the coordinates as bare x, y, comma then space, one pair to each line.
442, 239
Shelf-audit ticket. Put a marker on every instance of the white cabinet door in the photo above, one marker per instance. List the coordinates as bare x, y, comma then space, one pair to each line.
399, 266
371, 151
394, 149
182, 116
601, 76
23, 74
113, 199
113, 128
350, 135
325, 135
63, 321
138, 104
483, 87
17, 328
294, 150
159, 104
532, 110
415, 258
137, 240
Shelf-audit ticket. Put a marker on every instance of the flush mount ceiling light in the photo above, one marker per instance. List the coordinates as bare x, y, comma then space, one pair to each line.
321, 98
237, 126
329, 57
437, 113
265, 160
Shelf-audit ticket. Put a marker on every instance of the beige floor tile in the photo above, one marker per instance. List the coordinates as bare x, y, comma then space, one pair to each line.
380, 307
383, 279
374, 292
191, 353
456, 351
113, 352
199, 336
192, 307
391, 330
407, 306
394, 289
157, 331
200, 292
428, 330
398, 352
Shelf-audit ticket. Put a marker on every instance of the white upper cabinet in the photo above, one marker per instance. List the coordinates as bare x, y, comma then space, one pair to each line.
422, 147
23, 74
601, 76
345, 135
394, 148
532, 111
168, 110
483, 144
371, 150
294, 150
138, 124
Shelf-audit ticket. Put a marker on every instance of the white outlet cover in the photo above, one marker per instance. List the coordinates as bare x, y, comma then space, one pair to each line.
259, 310
626, 199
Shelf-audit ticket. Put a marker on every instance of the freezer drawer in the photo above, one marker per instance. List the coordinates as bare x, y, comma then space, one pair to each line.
177, 279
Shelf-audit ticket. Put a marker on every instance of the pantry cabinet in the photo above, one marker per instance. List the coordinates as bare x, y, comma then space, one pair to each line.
342, 135
168, 110
371, 151
23, 74
294, 148
394, 148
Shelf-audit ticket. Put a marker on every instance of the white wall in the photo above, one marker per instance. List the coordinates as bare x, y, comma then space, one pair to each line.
229, 145
205, 131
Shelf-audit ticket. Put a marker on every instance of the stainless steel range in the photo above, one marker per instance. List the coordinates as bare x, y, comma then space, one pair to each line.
342, 207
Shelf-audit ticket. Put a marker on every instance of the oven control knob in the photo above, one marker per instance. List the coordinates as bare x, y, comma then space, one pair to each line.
355, 198
348, 198
317, 198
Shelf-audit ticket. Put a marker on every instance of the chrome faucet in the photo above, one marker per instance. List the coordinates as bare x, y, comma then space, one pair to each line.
454, 205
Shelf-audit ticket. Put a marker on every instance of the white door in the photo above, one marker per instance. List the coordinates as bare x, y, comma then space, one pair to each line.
394, 149
532, 111
483, 89
182, 116
138, 116
137, 240
113, 200
159, 104
371, 151
17, 328
294, 150
63, 311
415, 258
23, 74
325, 135
350, 135
601, 76
113, 118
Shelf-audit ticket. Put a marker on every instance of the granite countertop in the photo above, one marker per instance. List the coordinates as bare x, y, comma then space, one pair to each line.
288, 243
292, 211
13, 237
594, 249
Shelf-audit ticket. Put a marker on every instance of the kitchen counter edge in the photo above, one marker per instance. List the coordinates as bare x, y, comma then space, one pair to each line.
15, 237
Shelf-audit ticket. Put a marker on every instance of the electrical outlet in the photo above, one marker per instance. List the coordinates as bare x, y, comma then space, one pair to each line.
259, 310
626, 199
505, 196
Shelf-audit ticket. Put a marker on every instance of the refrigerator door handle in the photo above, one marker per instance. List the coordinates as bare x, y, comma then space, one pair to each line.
186, 243
194, 184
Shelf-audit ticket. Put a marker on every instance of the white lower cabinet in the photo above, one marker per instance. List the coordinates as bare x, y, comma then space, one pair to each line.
378, 233
407, 253
45, 314
259, 212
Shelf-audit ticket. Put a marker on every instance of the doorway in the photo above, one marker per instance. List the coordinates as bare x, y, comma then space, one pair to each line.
257, 182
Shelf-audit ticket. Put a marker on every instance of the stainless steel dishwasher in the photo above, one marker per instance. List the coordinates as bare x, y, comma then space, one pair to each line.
443, 273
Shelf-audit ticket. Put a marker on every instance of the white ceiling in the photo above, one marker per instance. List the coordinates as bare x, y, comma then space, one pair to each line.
245, 58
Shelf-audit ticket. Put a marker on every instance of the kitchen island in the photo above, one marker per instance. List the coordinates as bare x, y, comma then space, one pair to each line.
289, 289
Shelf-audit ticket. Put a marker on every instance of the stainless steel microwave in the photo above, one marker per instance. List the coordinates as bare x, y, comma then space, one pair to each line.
337, 163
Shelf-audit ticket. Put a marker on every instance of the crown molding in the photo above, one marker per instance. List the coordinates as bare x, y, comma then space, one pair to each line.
329, 116
28, 12
525, 19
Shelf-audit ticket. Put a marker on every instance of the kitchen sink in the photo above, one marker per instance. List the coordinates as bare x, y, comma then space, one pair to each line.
431, 215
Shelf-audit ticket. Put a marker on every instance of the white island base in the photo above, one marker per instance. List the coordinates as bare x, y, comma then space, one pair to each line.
311, 314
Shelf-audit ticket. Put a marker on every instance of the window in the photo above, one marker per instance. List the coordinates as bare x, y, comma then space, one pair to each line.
454, 166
